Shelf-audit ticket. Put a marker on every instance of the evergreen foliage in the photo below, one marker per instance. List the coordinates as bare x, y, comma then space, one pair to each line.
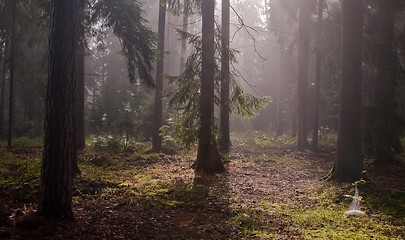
185, 99
138, 41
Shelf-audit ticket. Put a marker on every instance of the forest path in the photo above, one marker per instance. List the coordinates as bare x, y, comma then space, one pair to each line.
266, 193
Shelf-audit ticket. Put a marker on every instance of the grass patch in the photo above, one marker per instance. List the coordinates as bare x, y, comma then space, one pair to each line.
19, 170
248, 220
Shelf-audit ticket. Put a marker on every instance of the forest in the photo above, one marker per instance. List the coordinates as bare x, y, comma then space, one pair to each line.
202, 119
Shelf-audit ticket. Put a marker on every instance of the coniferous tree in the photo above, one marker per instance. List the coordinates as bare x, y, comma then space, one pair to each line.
208, 158
158, 108
349, 163
186, 13
224, 138
11, 78
303, 56
3, 76
315, 139
56, 174
386, 141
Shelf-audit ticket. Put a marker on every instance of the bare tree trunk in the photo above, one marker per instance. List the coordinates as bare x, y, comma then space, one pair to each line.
386, 139
11, 82
279, 108
158, 108
56, 174
3, 85
208, 158
315, 137
184, 41
224, 138
303, 56
79, 139
349, 163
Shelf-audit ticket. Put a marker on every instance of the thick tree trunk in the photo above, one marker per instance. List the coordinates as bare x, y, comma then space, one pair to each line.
386, 130
224, 138
303, 56
56, 174
11, 82
184, 41
208, 159
349, 163
315, 130
158, 108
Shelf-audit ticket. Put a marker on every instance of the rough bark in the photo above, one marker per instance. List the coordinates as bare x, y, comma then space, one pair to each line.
315, 130
158, 108
56, 173
224, 138
303, 56
208, 158
349, 163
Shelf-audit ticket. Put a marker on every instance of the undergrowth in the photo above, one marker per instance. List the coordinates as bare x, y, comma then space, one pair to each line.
313, 209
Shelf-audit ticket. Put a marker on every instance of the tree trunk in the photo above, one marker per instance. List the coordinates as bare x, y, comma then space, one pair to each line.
80, 86
80, 139
303, 56
11, 82
183, 40
224, 138
158, 108
349, 163
279, 108
79, 123
3, 85
315, 136
208, 159
386, 140
56, 174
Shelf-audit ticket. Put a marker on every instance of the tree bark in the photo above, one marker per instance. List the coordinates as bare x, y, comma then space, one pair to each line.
11, 78
315, 136
349, 163
184, 41
208, 158
56, 173
79, 139
80, 86
224, 138
158, 108
386, 140
303, 56
3, 85
280, 78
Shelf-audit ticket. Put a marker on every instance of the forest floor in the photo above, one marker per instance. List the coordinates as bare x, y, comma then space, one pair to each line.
269, 191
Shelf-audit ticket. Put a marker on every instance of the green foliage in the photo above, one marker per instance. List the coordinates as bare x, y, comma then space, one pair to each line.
247, 219
138, 41
17, 170
107, 142
186, 98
